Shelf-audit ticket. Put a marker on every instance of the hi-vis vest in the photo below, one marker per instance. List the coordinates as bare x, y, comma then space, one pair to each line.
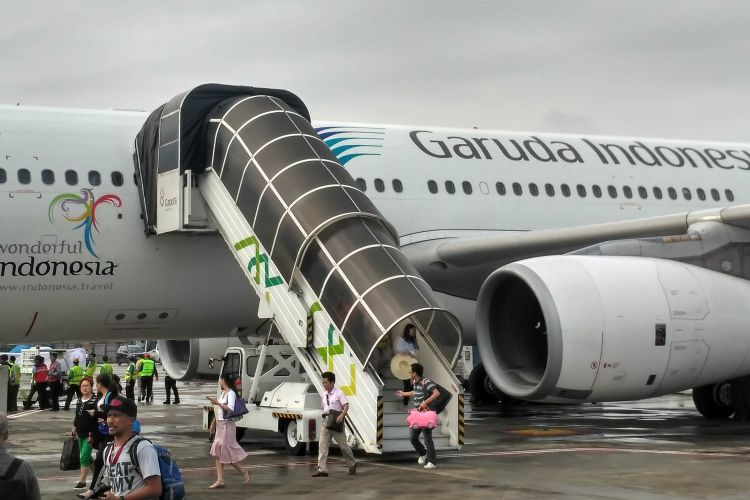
147, 367
130, 372
15, 377
105, 369
41, 374
90, 369
75, 375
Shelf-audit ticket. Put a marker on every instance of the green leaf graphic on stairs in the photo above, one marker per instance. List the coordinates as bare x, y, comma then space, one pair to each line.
257, 260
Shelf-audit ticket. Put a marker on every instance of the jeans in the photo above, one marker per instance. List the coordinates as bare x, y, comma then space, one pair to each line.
417, 444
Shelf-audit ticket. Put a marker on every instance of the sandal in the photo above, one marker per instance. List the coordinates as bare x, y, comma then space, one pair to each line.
246, 475
217, 485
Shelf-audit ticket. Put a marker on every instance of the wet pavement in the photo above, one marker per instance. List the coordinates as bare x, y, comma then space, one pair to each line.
655, 449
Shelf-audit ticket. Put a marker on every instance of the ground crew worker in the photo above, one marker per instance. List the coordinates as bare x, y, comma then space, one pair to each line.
75, 376
170, 386
6, 366
130, 378
105, 368
54, 381
39, 384
148, 372
141, 392
15, 384
91, 366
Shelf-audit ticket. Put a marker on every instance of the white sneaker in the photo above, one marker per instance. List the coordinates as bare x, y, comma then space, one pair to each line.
430, 466
422, 460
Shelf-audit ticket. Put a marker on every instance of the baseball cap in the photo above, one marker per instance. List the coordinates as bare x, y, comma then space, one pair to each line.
123, 405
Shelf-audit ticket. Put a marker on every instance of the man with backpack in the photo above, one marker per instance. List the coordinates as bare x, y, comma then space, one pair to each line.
133, 474
17, 479
425, 392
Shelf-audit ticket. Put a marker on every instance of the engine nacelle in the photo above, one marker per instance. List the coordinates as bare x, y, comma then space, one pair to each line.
188, 359
596, 328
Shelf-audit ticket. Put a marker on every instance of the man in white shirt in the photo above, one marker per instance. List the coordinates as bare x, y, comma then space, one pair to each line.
127, 480
335, 401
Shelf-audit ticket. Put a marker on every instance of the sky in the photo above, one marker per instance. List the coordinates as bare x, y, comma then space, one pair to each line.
671, 69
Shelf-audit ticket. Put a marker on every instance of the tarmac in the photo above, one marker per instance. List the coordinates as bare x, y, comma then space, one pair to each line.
655, 449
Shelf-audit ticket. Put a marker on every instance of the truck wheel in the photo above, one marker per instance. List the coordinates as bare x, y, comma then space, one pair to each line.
240, 433
293, 446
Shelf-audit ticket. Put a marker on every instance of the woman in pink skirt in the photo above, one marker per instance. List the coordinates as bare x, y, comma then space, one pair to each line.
225, 448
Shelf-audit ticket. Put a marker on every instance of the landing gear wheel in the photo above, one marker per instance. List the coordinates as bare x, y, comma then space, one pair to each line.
481, 387
293, 446
714, 401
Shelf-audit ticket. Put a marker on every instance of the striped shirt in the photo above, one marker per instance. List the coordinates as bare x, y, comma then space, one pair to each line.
423, 390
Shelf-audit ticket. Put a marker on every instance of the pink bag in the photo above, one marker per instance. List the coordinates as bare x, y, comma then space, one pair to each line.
422, 419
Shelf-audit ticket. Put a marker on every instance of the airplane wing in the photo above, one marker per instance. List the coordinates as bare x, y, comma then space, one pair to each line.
459, 266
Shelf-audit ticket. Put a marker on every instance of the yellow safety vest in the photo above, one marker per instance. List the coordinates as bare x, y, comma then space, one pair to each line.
90, 370
75, 375
130, 372
147, 367
15, 374
105, 368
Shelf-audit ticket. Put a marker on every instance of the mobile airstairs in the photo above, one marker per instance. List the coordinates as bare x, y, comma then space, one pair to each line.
323, 261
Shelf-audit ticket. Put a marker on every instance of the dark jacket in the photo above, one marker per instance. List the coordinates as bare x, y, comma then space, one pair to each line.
84, 422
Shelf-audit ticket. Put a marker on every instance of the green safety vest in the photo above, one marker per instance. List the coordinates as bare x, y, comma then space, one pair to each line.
15, 374
90, 370
147, 367
75, 375
105, 368
130, 372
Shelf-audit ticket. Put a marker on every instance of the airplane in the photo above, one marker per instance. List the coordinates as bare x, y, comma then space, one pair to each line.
585, 268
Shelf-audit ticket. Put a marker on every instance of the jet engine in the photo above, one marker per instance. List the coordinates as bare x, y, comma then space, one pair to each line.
188, 359
606, 328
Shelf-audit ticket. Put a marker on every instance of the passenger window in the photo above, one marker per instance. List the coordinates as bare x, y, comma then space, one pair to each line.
581, 190
95, 178
48, 177
533, 189
71, 177
701, 194
686, 193
500, 188
565, 190
627, 192
715, 194
450, 187
117, 179
361, 184
467, 187
596, 190
657, 193
432, 186
3, 176
612, 191
672, 193
517, 189
484, 188
549, 189
379, 185
24, 176
397, 186
729, 194
642, 192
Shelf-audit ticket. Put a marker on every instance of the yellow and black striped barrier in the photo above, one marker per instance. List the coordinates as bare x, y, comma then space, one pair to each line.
289, 416
381, 421
461, 419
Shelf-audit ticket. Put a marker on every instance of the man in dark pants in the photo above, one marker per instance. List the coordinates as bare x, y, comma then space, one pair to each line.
15, 384
148, 373
54, 380
39, 384
425, 392
75, 376
170, 385
4, 365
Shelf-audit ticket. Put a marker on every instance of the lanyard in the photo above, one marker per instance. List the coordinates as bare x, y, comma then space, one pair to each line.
117, 455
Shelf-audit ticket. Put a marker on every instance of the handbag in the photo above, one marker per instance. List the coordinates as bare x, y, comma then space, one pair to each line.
240, 408
332, 424
70, 458
439, 404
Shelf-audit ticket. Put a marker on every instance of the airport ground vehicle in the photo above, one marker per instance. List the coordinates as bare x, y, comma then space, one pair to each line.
64, 357
125, 351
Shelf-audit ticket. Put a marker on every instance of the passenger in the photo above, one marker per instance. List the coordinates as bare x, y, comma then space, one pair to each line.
425, 392
54, 381
105, 368
333, 400
38, 384
100, 438
114, 386
130, 378
75, 376
125, 479
141, 389
91, 366
148, 373
407, 344
4, 365
382, 354
170, 385
225, 448
84, 425
24, 473
15, 384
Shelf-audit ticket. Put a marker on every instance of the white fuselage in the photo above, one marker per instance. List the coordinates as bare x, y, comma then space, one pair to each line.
56, 284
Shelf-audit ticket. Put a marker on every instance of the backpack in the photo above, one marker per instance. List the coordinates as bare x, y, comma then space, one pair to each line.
438, 406
172, 487
13, 488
